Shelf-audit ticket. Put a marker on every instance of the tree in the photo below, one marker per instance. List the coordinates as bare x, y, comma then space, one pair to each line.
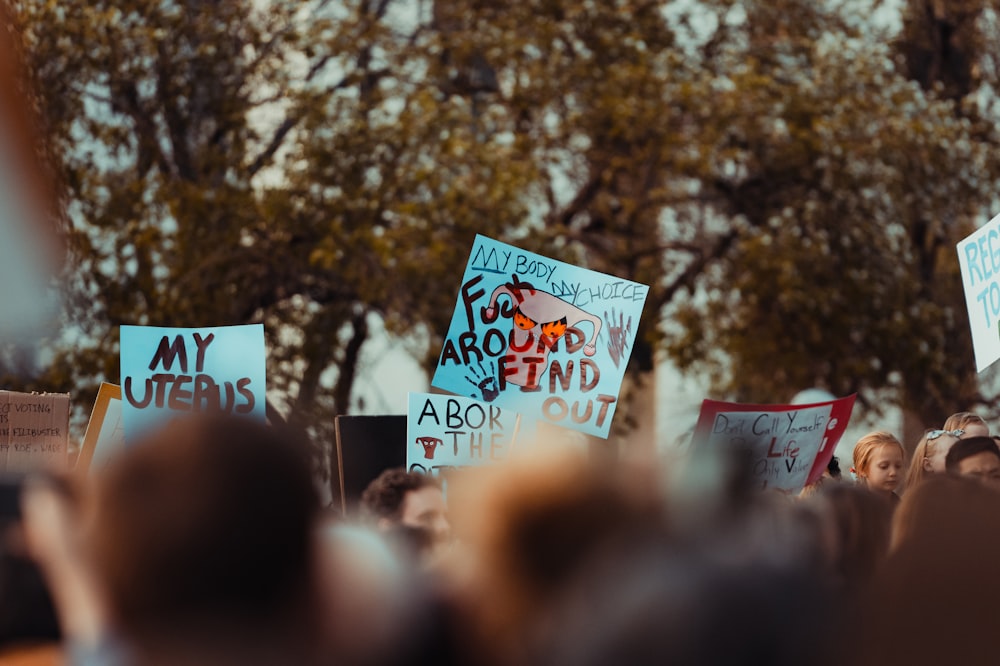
764, 166
233, 163
851, 187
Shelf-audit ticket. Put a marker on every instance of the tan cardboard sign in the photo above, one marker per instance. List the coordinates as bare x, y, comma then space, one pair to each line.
104, 437
34, 431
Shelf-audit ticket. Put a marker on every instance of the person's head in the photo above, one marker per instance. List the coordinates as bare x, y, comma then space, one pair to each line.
971, 425
204, 530
929, 454
977, 457
941, 575
400, 498
878, 461
833, 468
859, 524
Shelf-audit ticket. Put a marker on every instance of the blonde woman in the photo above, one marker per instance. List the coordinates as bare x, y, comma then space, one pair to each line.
971, 425
929, 455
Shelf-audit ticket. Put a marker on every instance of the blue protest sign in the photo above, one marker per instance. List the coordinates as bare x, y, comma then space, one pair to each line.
170, 370
445, 432
540, 337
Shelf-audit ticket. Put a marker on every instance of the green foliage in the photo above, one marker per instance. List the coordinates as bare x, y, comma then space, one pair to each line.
769, 168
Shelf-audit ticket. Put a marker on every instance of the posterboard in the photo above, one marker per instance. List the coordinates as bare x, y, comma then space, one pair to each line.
979, 259
166, 371
367, 446
789, 445
540, 337
34, 431
105, 436
446, 432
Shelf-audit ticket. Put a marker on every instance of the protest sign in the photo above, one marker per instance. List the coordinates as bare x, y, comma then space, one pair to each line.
167, 371
789, 446
105, 436
34, 431
445, 432
367, 446
540, 337
979, 259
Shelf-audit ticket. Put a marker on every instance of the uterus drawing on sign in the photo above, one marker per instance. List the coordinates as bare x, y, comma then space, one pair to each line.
485, 382
540, 320
430, 445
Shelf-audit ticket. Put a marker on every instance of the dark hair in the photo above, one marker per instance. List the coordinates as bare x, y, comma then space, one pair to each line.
966, 448
383, 498
207, 518
833, 467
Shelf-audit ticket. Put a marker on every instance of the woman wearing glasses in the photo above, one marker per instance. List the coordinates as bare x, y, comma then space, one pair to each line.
928, 457
972, 425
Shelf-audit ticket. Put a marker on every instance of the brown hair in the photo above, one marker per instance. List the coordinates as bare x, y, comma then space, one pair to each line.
207, 520
862, 523
945, 545
383, 498
866, 446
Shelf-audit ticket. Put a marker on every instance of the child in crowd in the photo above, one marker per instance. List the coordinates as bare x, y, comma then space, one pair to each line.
878, 462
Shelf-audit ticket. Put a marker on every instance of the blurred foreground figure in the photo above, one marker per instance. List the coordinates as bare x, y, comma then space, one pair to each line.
195, 547
29, 253
578, 565
859, 524
941, 575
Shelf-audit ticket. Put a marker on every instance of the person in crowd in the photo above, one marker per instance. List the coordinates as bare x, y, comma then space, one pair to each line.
929, 454
833, 469
878, 463
529, 528
411, 508
976, 457
831, 474
942, 565
29, 627
859, 526
195, 546
971, 425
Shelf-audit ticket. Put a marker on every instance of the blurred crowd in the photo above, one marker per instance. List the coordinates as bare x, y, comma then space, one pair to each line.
206, 544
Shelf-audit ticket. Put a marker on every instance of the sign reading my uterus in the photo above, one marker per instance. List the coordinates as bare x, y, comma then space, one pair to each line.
540, 337
166, 371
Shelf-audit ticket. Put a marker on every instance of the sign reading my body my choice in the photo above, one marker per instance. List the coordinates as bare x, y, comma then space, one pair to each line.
540, 337
170, 370
979, 258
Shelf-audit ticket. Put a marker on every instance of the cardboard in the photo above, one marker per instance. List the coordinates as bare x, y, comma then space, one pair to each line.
34, 431
367, 446
105, 436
